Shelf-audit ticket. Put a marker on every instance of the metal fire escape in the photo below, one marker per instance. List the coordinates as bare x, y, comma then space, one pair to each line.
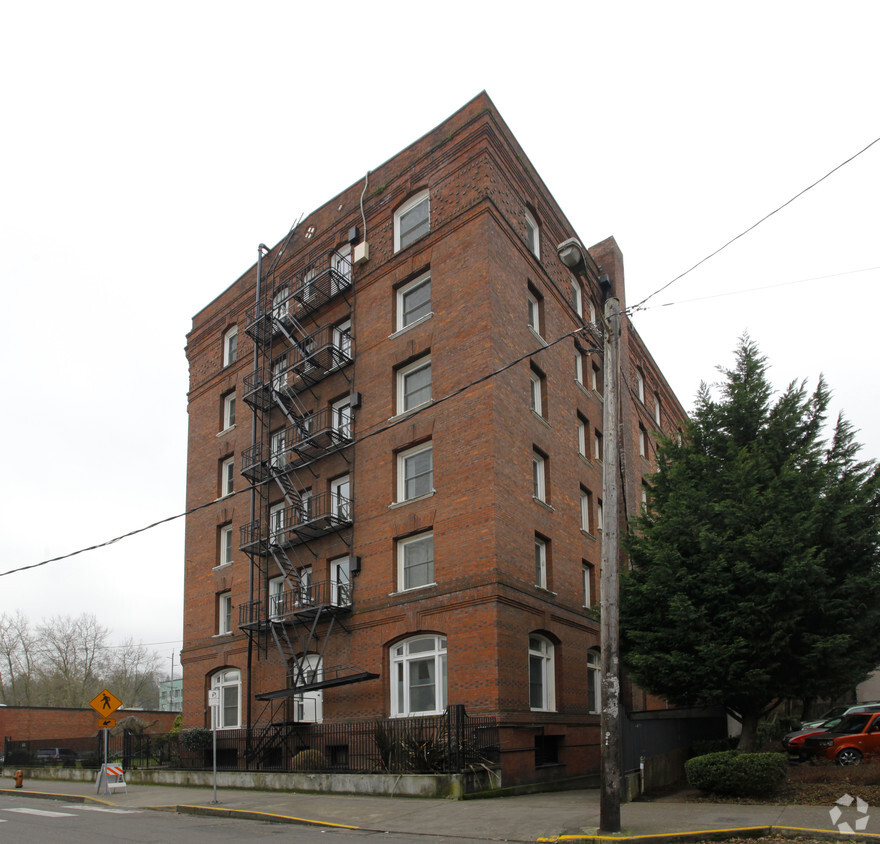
294, 352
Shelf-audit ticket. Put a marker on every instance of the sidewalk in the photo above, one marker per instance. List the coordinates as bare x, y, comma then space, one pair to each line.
569, 816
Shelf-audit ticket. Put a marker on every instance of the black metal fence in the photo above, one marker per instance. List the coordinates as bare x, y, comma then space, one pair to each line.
448, 743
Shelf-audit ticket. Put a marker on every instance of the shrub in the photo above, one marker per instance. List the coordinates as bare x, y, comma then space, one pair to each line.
197, 738
737, 774
308, 760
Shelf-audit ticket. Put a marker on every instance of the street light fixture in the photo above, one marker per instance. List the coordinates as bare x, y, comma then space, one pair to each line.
573, 254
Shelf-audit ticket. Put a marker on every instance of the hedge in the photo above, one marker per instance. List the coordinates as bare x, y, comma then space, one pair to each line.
737, 774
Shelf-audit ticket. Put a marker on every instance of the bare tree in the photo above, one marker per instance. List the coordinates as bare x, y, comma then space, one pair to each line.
18, 673
72, 652
132, 671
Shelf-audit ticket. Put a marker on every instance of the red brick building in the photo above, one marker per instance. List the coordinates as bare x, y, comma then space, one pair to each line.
395, 440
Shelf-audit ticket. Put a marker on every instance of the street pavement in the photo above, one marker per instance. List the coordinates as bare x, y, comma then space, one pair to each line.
568, 816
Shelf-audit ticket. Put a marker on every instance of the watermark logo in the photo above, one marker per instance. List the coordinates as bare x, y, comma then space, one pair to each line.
861, 808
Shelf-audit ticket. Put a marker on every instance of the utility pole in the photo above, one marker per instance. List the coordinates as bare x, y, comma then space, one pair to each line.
609, 800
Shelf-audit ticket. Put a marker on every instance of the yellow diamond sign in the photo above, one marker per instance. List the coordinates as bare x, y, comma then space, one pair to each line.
105, 703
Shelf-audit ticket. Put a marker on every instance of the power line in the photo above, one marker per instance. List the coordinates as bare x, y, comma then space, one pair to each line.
751, 227
394, 422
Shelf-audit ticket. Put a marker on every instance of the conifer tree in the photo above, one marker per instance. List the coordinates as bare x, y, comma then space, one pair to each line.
756, 567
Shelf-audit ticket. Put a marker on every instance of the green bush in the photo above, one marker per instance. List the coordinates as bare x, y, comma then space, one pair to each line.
195, 739
737, 774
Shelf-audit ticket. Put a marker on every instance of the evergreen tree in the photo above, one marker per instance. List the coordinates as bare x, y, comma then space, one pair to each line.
756, 568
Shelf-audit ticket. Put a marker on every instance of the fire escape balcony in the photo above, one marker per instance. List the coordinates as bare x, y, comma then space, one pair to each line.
310, 518
305, 602
312, 359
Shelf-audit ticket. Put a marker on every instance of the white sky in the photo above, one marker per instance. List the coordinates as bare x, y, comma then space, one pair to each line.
148, 149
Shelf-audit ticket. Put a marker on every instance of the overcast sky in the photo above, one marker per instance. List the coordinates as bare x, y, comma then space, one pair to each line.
148, 149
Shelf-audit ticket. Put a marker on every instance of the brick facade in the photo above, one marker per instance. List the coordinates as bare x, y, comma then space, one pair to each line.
485, 519
41, 723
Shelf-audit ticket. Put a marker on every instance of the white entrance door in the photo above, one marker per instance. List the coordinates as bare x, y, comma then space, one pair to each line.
309, 706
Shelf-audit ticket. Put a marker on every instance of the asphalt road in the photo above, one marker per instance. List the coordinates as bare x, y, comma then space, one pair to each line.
78, 823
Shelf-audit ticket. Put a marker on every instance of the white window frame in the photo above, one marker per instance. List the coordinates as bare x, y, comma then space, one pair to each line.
640, 385
340, 581
534, 313
224, 613
657, 408
577, 297
403, 462
401, 213
340, 412
539, 476
536, 392
404, 566
228, 411
592, 308
600, 515
586, 495
230, 345
594, 379
342, 337
279, 373
305, 597
427, 652
594, 680
278, 458
281, 303
408, 290
226, 545
578, 367
587, 574
541, 674
276, 598
540, 562
278, 523
340, 498
597, 445
309, 706
227, 477
228, 682
582, 427
643, 441
340, 262
533, 235
404, 373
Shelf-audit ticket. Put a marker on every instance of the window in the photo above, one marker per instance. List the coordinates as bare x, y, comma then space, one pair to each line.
340, 582
600, 517
281, 303
309, 706
577, 300
227, 476
308, 281
586, 507
228, 411
542, 693
342, 338
226, 547
643, 441
540, 562
640, 385
594, 679
657, 409
279, 373
533, 235
539, 478
415, 561
592, 309
412, 220
340, 498
587, 573
414, 384
228, 684
304, 596
230, 346
578, 367
536, 311
596, 379
277, 524
276, 598
278, 449
414, 301
415, 472
341, 417
597, 445
224, 613
538, 392
644, 497
582, 428
418, 676
340, 264
303, 507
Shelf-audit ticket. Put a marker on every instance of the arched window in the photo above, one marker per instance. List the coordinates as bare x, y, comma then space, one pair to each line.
228, 683
230, 346
542, 688
594, 680
418, 676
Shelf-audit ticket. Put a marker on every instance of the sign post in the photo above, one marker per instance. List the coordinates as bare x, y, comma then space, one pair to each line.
214, 703
105, 703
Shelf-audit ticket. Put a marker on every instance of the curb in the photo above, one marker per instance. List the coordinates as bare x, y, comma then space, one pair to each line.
250, 815
712, 835
48, 795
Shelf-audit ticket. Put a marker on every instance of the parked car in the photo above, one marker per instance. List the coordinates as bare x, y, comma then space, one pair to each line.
857, 736
55, 756
836, 712
793, 742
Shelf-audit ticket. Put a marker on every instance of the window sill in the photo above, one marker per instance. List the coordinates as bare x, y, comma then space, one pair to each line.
583, 388
404, 413
538, 336
395, 504
221, 566
411, 590
406, 328
548, 591
541, 418
588, 534
222, 635
543, 503
226, 430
